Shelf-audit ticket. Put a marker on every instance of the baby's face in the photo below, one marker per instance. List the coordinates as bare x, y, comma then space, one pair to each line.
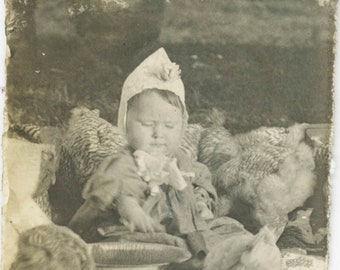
154, 125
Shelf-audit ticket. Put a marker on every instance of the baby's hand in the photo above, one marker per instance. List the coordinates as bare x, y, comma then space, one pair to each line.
175, 176
134, 217
204, 211
204, 203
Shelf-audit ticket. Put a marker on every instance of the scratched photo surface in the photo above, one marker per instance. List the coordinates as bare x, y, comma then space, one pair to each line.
257, 78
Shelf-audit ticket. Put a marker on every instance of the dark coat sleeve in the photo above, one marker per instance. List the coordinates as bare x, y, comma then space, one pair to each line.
203, 179
116, 176
202, 176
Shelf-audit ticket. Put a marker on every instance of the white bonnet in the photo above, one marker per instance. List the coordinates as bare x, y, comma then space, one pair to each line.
156, 71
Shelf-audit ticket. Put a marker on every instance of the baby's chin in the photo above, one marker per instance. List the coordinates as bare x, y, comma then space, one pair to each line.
159, 152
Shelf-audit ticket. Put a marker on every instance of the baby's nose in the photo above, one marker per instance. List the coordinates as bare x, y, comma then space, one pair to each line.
157, 132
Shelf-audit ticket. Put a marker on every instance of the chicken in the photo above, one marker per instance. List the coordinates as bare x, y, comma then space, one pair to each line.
191, 141
268, 174
87, 141
277, 136
216, 147
52, 247
37, 134
245, 252
280, 193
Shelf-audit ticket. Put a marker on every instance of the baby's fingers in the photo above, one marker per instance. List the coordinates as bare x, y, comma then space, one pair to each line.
149, 225
140, 225
158, 227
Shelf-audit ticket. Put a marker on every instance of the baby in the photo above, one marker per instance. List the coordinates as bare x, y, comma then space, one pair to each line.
157, 182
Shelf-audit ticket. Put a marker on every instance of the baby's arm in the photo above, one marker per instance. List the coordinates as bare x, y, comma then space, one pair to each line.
175, 177
115, 185
205, 192
99, 193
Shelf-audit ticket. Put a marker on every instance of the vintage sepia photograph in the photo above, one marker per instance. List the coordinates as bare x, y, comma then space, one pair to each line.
168, 134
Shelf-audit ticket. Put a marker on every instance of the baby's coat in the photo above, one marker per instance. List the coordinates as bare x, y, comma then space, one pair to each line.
176, 210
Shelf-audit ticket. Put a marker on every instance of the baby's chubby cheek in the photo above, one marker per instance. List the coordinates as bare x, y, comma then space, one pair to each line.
165, 145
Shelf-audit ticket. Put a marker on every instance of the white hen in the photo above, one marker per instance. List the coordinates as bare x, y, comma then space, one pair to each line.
269, 175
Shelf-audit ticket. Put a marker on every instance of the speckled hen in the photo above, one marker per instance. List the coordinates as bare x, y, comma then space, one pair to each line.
261, 175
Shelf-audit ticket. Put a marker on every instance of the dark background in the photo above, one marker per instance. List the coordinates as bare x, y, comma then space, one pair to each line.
263, 62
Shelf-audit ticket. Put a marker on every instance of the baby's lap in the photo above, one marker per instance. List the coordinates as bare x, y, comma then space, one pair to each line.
219, 230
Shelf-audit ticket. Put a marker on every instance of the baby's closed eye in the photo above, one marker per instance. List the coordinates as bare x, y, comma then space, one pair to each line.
170, 124
146, 123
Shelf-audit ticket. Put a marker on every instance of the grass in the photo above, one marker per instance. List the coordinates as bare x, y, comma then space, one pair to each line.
246, 73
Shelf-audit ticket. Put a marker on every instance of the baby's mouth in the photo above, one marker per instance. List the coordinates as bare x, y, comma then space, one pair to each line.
158, 149
158, 144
